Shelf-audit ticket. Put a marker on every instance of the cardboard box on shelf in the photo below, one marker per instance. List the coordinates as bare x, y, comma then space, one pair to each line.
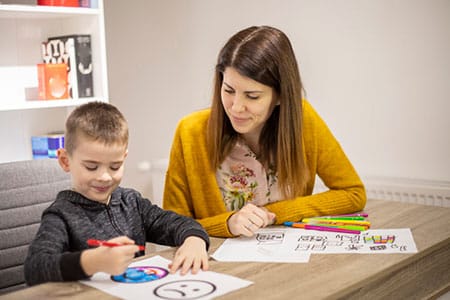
47, 145
76, 52
52, 81
72, 3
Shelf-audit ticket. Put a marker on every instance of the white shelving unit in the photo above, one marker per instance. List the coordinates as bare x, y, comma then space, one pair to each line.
22, 30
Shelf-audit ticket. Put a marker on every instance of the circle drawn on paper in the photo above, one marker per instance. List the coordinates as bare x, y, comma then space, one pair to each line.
140, 274
185, 289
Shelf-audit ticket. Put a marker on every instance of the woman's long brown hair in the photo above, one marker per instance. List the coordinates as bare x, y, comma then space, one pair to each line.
265, 55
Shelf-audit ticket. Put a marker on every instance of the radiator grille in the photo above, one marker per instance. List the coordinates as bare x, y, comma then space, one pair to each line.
426, 192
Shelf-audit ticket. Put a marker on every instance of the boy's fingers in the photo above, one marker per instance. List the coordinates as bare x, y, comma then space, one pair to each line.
187, 264
173, 267
122, 240
196, 266
205, 264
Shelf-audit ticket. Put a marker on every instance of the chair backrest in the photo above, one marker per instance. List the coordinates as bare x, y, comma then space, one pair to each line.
26, 189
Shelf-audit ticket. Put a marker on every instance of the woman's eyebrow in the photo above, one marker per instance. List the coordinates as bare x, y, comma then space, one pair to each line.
228, 86
246, 92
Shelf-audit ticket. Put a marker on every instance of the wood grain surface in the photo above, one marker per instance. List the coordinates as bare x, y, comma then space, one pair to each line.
422, 275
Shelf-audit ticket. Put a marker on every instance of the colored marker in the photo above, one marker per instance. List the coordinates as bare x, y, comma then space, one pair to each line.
355, 215
341, 218
351, 227
365, 215
336, 223
320, 228
92, 242
343, 222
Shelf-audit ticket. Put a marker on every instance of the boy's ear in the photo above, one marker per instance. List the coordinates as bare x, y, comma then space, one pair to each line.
63, 159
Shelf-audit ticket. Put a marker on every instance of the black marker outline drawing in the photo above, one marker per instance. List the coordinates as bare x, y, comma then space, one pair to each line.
269, 238
181, 292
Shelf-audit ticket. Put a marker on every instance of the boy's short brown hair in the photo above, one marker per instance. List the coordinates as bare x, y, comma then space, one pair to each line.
97, 121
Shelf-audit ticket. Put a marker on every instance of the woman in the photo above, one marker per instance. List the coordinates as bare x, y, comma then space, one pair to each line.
251, 159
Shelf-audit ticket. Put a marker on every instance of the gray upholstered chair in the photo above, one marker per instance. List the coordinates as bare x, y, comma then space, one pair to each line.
26, 189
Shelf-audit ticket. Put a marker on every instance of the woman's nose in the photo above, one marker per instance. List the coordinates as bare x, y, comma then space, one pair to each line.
238, 104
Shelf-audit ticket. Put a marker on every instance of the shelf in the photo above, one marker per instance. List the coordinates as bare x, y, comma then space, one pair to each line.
33, 104
40, 11
22, 30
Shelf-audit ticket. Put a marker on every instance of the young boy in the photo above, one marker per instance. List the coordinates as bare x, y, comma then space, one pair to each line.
96, 142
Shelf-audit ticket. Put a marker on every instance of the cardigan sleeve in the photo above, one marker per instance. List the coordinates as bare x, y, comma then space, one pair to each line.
326, 158
190, 186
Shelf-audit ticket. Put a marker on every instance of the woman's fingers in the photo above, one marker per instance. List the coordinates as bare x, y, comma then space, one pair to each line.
249, 219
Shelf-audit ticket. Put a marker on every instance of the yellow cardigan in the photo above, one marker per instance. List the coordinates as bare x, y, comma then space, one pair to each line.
191, 188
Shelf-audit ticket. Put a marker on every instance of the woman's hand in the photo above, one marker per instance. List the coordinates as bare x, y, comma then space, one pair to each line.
191, 254
249, 219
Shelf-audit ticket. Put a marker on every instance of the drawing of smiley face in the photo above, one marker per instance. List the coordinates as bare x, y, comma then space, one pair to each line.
185, 289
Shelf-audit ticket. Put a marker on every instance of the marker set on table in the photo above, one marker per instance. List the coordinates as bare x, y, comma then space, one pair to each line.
350, 223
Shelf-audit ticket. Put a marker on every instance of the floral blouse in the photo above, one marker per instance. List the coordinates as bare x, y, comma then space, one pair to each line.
242, 179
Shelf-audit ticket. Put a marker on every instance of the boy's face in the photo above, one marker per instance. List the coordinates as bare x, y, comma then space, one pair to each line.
96, 168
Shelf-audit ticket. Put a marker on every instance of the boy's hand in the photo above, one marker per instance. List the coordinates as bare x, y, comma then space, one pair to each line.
191, 254
111, 260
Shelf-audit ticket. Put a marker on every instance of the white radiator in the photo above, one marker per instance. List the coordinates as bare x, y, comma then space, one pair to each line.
426, 192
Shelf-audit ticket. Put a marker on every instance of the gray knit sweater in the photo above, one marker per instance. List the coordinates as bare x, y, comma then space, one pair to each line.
54, 254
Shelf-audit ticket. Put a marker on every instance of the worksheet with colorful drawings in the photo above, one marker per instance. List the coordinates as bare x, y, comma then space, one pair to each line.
293, 244
150, 279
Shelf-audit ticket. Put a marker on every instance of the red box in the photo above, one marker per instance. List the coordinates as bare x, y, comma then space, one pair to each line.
73, 3
74, 50
52, 80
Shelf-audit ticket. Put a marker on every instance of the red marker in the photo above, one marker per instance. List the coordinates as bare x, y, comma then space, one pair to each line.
92, 242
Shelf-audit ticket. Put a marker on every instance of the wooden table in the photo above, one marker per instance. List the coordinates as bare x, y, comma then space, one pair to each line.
421, 275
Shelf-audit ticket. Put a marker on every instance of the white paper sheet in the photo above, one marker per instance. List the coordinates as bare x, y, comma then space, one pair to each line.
268, 245
203, 285
295, 244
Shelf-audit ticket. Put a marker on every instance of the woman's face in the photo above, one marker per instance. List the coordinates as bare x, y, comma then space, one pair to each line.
247, 103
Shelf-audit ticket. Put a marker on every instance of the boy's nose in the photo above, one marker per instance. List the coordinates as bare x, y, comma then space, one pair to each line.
105, 176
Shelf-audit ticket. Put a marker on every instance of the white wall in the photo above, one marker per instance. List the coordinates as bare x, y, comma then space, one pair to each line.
377, 71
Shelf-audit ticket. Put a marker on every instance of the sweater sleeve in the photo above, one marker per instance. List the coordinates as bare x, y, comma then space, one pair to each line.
326, 158
167, 227
178, 198
47, 258
190, 185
